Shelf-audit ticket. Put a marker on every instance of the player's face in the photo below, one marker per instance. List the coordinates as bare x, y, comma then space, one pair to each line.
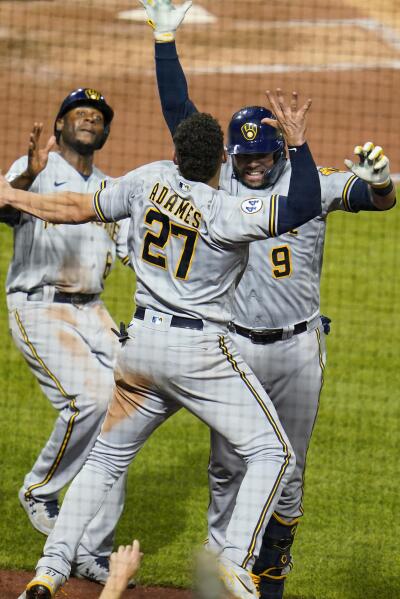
251, 168
83, 129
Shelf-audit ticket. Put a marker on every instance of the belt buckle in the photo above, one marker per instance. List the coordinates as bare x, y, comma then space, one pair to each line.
255, 334
231, 327
79, 298
265, 336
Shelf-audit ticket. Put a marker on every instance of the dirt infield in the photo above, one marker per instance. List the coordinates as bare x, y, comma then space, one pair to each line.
12, 583
345, 56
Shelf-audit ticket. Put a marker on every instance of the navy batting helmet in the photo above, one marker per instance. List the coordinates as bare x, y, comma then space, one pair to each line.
247, 135
84, 96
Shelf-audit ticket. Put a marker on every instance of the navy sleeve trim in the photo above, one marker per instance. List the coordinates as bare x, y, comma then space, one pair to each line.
346, 194
96, 202
359, 197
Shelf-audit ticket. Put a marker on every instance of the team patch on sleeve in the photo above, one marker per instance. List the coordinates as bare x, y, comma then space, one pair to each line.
252, 205
96, 202
326, 171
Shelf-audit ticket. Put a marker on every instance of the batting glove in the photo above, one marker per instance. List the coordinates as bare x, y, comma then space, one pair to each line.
373, 166
164, 17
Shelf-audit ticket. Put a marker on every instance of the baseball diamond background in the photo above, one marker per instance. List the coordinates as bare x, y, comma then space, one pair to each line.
345, 55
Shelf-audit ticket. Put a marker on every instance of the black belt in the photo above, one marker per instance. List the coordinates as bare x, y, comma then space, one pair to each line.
61, 297
176, 321
264, 336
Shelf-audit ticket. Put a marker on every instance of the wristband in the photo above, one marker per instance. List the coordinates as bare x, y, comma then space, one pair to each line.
383, 191
162, 38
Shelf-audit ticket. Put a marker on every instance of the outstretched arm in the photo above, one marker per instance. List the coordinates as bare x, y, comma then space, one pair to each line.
165, 18
67, 208
303, 201
172, 87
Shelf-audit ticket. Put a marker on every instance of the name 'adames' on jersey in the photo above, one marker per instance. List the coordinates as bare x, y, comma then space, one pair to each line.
187, 242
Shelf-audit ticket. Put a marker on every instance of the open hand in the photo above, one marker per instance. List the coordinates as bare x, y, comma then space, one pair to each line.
38, 157
124, 563
373, 166
289, 118
164, 17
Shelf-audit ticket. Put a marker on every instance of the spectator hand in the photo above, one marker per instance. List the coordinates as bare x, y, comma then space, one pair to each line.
125, 562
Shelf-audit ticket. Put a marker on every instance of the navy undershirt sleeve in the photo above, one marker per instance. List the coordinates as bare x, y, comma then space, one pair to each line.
359, 197
303, 201
172, 87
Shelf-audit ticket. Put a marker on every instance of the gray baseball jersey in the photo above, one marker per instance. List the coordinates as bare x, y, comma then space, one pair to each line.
69, 347
281, 285
73, 259
188, 244
279, 289
276, 313
216, 220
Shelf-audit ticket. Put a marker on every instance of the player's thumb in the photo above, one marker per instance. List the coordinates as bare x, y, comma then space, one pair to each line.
50, 144
349, 164
272, 122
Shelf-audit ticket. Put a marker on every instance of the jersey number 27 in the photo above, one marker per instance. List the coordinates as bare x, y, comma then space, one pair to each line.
153, 240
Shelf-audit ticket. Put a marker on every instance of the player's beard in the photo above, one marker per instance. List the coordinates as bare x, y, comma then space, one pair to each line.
270, 176
83, 148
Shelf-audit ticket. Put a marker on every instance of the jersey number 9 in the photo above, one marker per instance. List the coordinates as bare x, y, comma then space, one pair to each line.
281, 262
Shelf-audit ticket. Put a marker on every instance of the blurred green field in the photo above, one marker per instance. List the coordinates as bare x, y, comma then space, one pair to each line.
346, 546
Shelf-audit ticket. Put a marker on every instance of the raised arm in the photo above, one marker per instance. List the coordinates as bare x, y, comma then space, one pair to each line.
67, 208
303, 201
165, 18
37, 159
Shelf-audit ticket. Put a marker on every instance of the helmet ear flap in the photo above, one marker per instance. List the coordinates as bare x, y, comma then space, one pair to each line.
57, 128
106, 133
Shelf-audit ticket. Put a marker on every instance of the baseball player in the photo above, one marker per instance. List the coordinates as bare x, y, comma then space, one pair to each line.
188, 244
276, 325
57, 319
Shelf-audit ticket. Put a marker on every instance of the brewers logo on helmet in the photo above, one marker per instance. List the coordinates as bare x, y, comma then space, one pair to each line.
249, 131
248, 135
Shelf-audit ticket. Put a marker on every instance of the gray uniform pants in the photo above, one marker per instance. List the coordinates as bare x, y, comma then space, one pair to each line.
71, 351
160, 369
291, 372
